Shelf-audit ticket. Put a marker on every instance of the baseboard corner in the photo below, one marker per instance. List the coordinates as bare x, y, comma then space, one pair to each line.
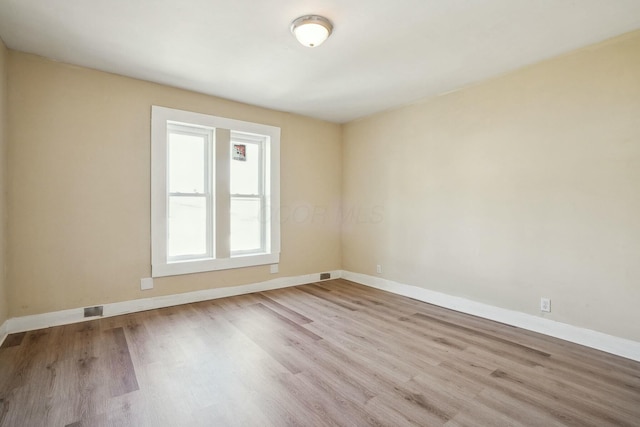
4, 331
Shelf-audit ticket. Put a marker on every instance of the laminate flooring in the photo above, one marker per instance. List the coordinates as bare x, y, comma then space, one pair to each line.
333, 353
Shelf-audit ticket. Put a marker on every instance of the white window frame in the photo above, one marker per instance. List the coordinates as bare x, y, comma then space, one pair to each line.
219, 257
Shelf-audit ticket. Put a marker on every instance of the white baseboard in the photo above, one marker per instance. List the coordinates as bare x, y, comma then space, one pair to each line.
598, 340
75, 315
4, 331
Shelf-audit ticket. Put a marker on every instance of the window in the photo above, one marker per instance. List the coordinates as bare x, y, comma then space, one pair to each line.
214, 189
247, 194
189, 195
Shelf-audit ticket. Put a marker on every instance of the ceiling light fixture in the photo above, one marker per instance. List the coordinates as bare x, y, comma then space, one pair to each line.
311, 30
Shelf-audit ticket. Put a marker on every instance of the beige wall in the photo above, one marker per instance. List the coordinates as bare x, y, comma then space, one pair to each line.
79, 184
4, 304
524, 186
521, 187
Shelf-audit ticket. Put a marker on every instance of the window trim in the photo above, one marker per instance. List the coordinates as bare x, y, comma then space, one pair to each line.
160, 266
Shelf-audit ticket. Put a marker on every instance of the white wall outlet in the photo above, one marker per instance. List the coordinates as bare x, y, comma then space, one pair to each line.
146, 283
379, 269
545, 305
274, 268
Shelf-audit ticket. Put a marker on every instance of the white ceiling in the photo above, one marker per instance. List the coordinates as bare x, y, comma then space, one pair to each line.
382, 54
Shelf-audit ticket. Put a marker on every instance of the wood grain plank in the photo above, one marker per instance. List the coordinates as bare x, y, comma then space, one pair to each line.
13, 340
122, 378
283, 310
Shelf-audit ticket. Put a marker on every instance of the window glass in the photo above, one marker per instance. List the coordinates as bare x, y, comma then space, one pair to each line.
187, 226
187, 157
245, 174
246, 230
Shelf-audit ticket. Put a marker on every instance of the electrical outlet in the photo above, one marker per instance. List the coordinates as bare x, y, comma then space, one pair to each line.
379, 269
274, 268
146, 283
545, 305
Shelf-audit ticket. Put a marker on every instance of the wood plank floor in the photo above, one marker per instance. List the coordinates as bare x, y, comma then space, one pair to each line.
330, 353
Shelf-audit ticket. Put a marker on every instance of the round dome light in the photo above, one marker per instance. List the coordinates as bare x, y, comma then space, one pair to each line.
311, 30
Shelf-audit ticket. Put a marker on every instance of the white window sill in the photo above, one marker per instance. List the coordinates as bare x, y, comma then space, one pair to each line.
203, 265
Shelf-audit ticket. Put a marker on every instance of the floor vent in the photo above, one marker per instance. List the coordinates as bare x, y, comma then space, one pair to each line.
93, 311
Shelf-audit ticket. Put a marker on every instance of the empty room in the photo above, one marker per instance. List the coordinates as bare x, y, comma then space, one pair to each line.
319, 213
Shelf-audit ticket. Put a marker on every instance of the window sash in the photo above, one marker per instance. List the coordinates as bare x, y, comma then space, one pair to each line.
261, 222
209, 233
